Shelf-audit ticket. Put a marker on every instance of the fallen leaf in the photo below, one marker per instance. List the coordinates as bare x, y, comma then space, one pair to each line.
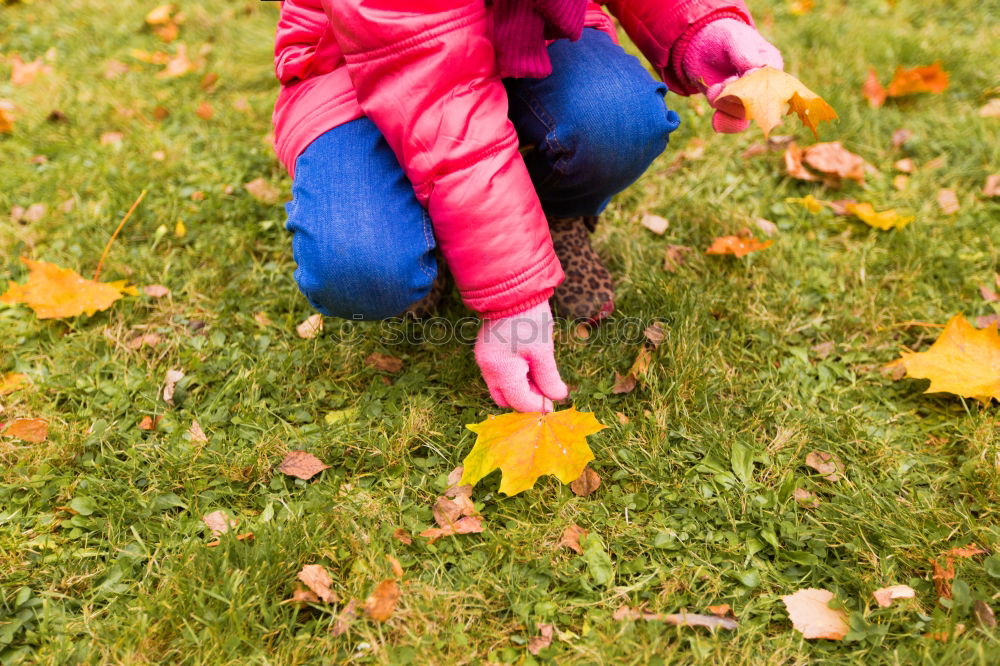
988, 320
886, 595
587, 483
302, 596
160, 14
947, 201
177, 65
208, 82
794, 165
23, 73
991, 109
887, 219
641, 363
983, 614
966, 551
900, 182
204, 111
812, 616
114, 68
30, 430
696, 620
767, 227
6, 118
836, 162
466, 525
963, 360
988, 294
571, 538
694, 150
805, 499
311, 327
767, 94
384, 362
111, 138
992, 186
144, 340
149, 422
840, 206
738, 246
262, 319
826, 464
218, 522
722, 610
344, 619
800, 7
454, 488
930, 78
156, 291
655, 223
809, 202
544, 638
654, 333
873, 91
945, 636
170, 385
447, 511
318, 580
54, 292
381, 604
824, 349
403, 536
906, 165
11, 382
623, 384
197, 435
301, 465
397, 568
526, 446
675, 257
901, 136
263, 191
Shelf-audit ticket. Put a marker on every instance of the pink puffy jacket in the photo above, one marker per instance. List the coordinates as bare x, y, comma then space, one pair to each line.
424, 71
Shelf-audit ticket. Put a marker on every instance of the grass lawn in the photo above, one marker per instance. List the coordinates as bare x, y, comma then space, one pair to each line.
103, 554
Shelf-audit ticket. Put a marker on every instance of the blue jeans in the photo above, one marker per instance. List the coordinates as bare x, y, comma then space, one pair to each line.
363, 244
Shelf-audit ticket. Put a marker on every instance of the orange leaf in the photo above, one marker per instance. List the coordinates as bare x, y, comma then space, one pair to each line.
465, 525
30, 430
588, 482
526, 446
54, 292
834, 160
6, 118
737, 245
301, 465
963, 360
381, 604
318, 580
812, 616
873, 90
930, 78
571, 538
768, 94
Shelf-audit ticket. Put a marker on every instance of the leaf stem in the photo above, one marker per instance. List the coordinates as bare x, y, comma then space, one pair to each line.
107, 248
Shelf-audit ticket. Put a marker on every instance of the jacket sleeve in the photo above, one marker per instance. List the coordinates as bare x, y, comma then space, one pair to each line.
662, 30
425, 73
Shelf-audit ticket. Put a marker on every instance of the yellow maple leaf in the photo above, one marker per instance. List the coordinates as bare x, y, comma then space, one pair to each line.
768, 94
809, 202
526, 446
964, 360
54, 292
887, 219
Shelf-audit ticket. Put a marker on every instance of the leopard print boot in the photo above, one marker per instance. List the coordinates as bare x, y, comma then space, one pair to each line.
587, 294
428, 305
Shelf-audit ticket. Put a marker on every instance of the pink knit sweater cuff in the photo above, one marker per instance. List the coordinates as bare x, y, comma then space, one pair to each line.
680, 47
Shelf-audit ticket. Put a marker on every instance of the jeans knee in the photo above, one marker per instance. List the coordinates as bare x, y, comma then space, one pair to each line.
360, 290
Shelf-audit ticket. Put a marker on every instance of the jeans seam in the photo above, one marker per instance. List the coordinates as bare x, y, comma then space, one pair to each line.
428, 241
545, 118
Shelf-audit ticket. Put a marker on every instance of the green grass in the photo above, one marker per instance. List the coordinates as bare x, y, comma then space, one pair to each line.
686, 523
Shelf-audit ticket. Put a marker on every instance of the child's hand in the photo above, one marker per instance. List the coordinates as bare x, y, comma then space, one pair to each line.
721, 52
516, 357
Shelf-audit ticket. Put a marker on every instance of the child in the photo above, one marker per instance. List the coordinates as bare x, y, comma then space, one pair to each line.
400, 123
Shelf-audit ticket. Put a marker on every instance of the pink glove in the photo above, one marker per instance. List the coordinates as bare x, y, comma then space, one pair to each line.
518, 362
721, 52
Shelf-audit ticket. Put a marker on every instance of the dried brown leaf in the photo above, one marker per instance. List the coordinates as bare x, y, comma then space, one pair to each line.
144, 340
397, 568
155, 291
344, 619
983, 614
805, 499
218, 522
623, 383
465, 525
588, 482
402, 535
900, 137
448, 511
826, 464
454, 489
384, 362
170, 385
947, 201
196, 434
301, 465
571, 538
654, 333
992, 186
29, 430
149, 422
263, 191
381, 603
318, 580
675, 257
544, 639
658, 225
